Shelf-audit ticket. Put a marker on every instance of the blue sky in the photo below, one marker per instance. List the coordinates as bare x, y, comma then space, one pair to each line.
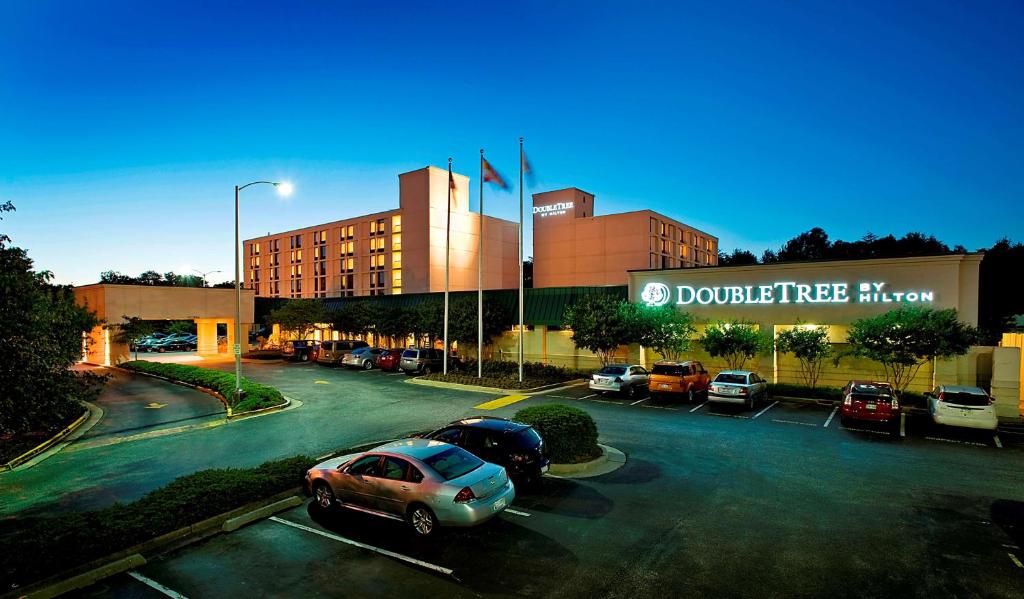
125, 125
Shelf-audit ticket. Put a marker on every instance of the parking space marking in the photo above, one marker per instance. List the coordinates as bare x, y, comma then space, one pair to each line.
561, 397
764, 410
659, 407
698, 407
903, 424
956, 441
639, 401
589, 396
865, 430
999, 443
795, 422
396, 374
1015, 560
830, 417
517, 512
341, 539
156, 585
501, 402
729, 415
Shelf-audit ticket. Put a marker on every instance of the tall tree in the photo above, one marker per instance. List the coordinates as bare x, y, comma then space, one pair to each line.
300, 317
601, 324
462, 320
734, 341
664, 329
905, 339
810, 346
738, 257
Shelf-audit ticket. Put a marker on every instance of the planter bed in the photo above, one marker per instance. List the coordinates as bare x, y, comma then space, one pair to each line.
257, 396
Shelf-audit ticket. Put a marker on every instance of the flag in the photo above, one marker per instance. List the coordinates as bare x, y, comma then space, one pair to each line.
491, 175
451, 181
527, 169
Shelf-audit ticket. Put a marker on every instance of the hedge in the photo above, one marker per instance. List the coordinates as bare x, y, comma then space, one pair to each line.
257, 396
505, 375
36, 548
570, 434
907, 398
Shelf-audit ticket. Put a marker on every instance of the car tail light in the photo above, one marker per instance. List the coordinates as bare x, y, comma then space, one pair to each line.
743, 390
465, 495
942, 397
519, 457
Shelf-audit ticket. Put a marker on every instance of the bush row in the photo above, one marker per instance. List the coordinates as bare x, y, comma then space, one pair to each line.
570, 434
256, 395
506, 374
33, 548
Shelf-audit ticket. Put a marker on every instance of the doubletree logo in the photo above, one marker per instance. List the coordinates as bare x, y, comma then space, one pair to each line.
656, 294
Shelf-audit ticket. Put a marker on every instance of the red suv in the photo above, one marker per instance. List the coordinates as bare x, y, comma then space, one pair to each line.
868, 400
388, 360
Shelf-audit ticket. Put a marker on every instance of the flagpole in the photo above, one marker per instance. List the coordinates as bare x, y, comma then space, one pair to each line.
520, 259
447, 237
480, 279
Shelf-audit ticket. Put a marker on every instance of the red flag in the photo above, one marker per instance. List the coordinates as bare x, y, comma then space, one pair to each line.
451, 182
527, 169
491, 175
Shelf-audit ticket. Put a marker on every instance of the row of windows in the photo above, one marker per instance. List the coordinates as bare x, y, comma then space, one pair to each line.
665, 261
674, 233
378, 228
376, 282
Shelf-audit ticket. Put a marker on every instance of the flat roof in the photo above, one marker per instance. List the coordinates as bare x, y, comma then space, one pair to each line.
741, 267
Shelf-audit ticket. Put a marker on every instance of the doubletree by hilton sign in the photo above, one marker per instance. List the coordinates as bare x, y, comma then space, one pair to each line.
785, 292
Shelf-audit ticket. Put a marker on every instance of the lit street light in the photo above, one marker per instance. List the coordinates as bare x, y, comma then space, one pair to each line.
203, 275
284, 189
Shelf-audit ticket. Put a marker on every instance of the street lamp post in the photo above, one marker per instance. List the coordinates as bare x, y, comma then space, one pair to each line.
203, 275
284, 189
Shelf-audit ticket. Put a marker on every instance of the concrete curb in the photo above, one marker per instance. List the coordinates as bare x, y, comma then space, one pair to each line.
494, 390
95, 415
102, 568
610, 460
234, 524
53, 444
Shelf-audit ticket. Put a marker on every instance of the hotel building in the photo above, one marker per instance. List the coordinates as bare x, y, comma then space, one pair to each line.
390, 252
572, 247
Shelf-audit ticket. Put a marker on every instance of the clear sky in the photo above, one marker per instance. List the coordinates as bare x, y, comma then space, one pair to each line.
125, 125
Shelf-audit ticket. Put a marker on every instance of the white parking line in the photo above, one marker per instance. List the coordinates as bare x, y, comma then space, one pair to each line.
396, 374
795, 422
764, 410
638, 401
865, 430
589, 396
999, 443
156, 585
517, 512
1015, 560
660, 408
398, 556
729, 415
903, 424
956, 441
830, 417
698, 407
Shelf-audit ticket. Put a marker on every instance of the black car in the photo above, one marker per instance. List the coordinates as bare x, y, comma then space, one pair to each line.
302, 350
514, 445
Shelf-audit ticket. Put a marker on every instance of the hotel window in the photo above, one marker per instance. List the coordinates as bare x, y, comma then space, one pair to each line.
296, 287
275, 245
254, 249
653, 262
296, 256
320, 236
654, 244
683, 251
377, 244
654, 225
348, 232
378, 227
663, 229
396, 278
275, 288
666, 262
274, 275
396, 259
396, 223
296, 242
274, 259
296, 270
377, 279
348, 248
377, 262
396, 241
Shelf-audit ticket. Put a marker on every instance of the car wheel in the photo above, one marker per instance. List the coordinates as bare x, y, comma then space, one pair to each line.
426, 370
304, 358
323, 495
367, 365
691, 396
631, 392
422, 521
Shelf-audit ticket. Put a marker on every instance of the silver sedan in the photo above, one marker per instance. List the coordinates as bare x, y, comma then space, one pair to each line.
363, 357
423, 482
628, 379
738, 387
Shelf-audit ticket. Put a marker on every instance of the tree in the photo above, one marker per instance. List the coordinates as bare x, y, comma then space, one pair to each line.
354, 317
394, 323
300, 317
462, 320
734, 341
601, 324
664, 329
130, 331
997, 305
428, 319
224, 285
738, 257
179, 327
810, 345
905, 339
41, 330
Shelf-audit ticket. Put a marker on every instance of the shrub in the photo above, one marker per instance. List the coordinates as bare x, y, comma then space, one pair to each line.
569, 433
32, 548
257, 396
804, 391
505, 375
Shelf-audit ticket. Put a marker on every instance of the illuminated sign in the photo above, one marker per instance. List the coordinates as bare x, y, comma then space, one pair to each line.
784, 292
552, 209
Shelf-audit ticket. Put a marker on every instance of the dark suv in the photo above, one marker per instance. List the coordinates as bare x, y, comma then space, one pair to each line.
514, 445
302, 350
332, 352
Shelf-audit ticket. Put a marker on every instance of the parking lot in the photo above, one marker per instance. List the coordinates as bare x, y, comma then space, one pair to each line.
781, 500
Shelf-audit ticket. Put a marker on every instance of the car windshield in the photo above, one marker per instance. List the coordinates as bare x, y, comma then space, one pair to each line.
736, 379
962, 398
866, 389
409, 353
869, 396
615, 370
453, 463
668, 369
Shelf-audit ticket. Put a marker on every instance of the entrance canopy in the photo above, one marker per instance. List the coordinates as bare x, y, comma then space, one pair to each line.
205, 306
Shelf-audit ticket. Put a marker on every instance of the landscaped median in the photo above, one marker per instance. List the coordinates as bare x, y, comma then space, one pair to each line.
256, 396
504, 376
570, 440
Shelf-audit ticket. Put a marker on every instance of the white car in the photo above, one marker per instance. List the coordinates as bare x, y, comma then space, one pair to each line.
738, 387
956, 405
628, 379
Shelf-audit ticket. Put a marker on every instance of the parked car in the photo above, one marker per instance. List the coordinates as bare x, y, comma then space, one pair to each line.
517, 447
388, 360
332, 352
871, 401
679, 378
175, 342
738, 387
420, 481
147, 342
302, 350
422, 360
364, 357
956, 405
629, 379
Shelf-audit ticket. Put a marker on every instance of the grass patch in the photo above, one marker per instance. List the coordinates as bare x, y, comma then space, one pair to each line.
256, 395
505, 375
35, 548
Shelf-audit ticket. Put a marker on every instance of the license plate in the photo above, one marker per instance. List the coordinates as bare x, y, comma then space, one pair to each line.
870, 406
732, 391
663, 386
544, 468
966, 412
499, 504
